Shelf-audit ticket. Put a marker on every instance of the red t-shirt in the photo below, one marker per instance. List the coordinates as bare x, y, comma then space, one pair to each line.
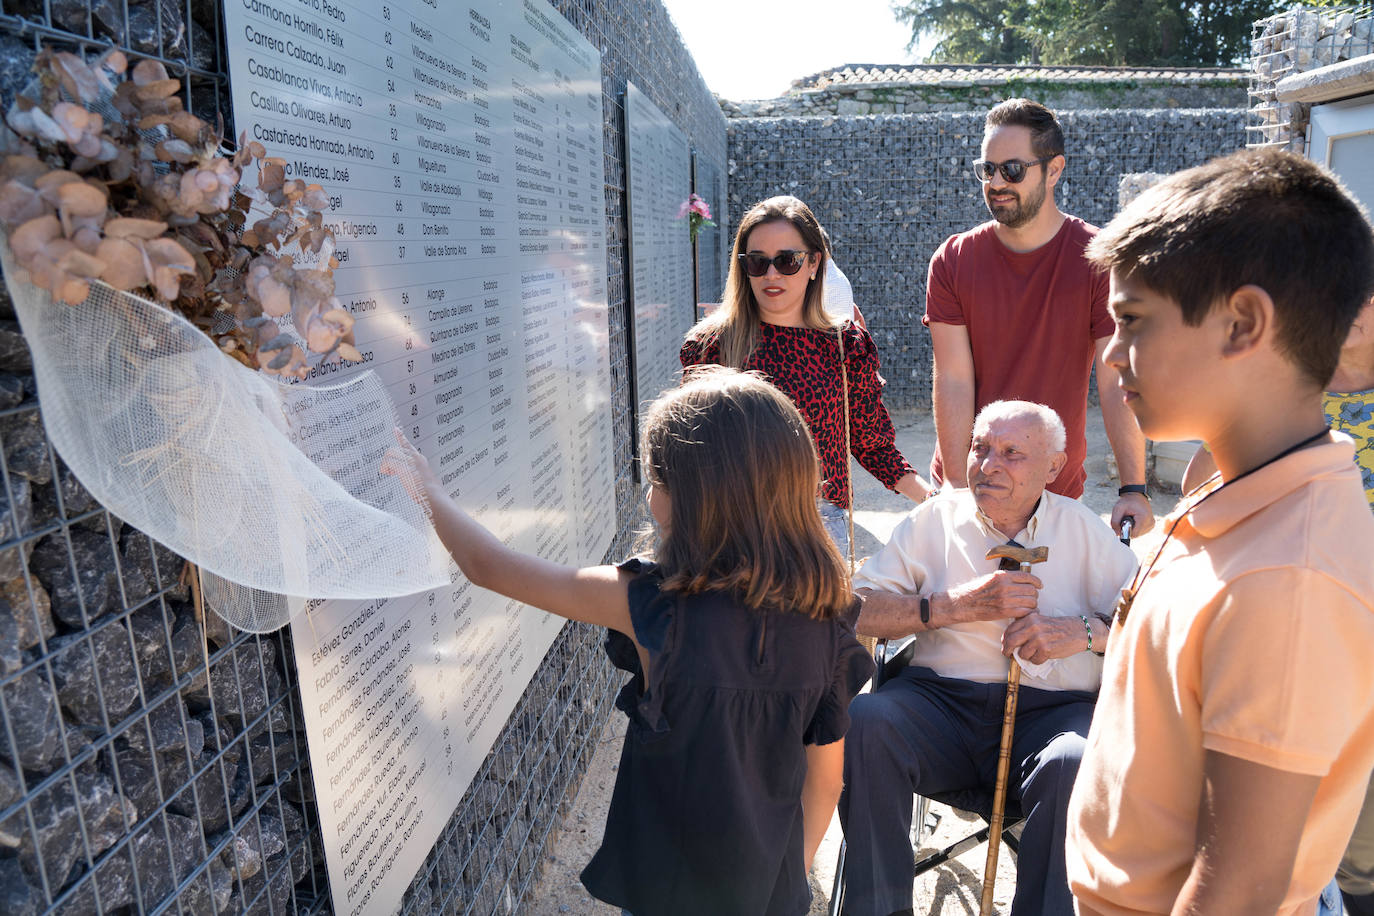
1032, 320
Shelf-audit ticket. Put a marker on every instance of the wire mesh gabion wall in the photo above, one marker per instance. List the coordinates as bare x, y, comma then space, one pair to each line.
132, 782
891, 188
1296, 41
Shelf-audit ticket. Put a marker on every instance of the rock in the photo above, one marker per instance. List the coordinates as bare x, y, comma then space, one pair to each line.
14, 349
10, 788
16, 68
97, 579
152, 642
296, 845
12, 390
26, 447
160, 867
83, 691
261, 746
229, 771
277, 899
147, 566
143, 28
168, 733
17, 896
11, 653
76, 501
16, 517
136, 775
59, 827
33, 719
243, 681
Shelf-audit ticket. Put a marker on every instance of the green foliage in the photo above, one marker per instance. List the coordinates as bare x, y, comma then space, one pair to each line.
1206, 33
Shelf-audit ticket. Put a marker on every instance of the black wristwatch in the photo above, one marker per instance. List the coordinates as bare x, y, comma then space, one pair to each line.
925, 610
1133, 488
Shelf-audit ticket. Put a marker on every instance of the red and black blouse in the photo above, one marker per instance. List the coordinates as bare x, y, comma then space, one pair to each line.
805, 365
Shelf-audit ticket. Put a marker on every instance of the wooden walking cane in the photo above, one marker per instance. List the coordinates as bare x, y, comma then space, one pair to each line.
1024, 556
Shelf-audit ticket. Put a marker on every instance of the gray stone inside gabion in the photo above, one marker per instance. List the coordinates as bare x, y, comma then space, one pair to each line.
17, 896
30, 709
89, 594
61, 842
95, 677
26, 448
160, 865
14, 350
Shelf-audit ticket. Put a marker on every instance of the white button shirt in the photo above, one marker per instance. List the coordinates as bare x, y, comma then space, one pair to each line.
944, 543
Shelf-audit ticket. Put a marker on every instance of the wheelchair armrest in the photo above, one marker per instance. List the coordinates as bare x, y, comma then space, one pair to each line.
886, 667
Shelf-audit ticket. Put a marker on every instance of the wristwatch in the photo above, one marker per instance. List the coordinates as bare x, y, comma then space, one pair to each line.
1133, 488
925, 610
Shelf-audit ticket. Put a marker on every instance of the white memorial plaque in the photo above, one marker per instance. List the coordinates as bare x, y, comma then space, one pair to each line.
461, 146
658, 181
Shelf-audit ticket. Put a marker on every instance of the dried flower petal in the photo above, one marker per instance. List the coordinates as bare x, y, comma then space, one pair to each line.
27, 169
81, 264
77, 78
174, 150
124, 263
33, 235
129, 227
20, 203
45, 127
115, 62
148, 71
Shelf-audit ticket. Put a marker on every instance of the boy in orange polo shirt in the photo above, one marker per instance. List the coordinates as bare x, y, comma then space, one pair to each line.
1234, 734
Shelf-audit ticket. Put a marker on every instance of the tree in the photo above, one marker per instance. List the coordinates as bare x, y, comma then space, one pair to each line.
1207, 33
972, 31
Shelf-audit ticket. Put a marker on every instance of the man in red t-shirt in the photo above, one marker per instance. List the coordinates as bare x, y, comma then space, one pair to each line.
1015, 312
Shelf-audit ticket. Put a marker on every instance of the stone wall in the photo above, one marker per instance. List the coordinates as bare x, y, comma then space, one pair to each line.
905, 98
891, 188
127, 781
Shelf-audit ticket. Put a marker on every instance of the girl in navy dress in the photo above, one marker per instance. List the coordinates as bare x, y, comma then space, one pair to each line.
740, 641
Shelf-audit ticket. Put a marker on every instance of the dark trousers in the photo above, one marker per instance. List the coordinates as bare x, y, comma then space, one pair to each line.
921, 733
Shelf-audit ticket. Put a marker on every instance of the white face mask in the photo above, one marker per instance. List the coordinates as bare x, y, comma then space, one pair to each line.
839, 294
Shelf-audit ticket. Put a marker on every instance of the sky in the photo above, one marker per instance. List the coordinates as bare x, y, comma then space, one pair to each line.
754, 50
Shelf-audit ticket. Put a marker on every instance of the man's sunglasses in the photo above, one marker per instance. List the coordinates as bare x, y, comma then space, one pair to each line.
787, 262
1013, 170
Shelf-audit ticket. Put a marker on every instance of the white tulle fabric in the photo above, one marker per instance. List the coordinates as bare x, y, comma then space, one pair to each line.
272, 487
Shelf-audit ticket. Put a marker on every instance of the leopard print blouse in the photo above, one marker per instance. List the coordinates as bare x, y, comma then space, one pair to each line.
805, 365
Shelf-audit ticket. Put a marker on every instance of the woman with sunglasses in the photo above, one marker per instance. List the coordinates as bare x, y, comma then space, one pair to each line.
773, 320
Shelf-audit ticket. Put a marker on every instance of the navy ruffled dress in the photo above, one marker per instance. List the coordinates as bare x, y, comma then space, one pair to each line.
706, 816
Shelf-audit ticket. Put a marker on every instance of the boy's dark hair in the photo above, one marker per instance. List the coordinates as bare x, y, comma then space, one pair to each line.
1265, 217
1047, 137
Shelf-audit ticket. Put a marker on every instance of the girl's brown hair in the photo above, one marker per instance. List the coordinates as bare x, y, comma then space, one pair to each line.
738, 464
736, 323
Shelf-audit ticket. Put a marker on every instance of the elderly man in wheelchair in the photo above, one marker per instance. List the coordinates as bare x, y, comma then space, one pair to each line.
934, 727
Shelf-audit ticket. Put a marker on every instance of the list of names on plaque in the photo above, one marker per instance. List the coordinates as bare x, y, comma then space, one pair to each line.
461, 146
658, 177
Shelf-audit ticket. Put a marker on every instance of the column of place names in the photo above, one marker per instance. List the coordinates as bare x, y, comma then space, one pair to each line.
462, 153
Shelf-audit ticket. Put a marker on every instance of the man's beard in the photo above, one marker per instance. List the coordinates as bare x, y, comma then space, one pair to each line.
1020, 213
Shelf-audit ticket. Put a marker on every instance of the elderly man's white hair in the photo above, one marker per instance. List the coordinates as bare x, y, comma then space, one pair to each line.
1015, 410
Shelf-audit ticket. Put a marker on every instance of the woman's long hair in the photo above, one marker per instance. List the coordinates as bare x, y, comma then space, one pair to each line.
738, 464
736, 323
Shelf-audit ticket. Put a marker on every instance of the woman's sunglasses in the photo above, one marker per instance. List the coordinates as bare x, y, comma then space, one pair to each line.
1013, 170
787, 262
